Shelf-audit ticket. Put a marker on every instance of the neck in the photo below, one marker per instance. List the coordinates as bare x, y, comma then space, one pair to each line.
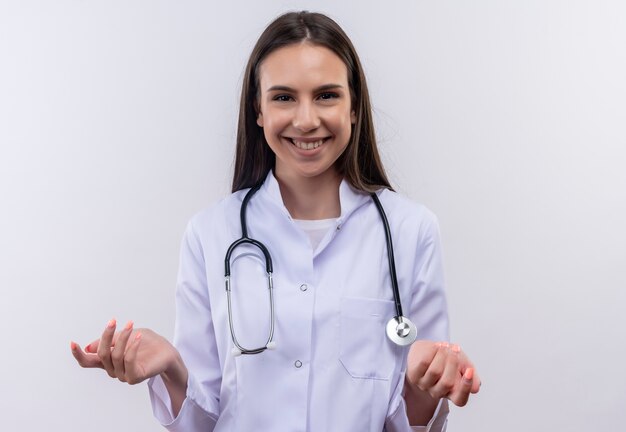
311, 198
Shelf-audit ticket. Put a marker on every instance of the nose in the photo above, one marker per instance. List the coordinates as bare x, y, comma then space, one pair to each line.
306, 117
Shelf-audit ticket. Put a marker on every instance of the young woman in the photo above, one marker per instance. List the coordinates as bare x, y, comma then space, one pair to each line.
297, 341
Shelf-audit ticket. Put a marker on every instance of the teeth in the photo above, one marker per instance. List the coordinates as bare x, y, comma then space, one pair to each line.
307, 145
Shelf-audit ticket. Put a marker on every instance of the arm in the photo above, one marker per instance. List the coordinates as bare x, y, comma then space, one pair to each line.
435, 371
190, 401
180, 401
429, 311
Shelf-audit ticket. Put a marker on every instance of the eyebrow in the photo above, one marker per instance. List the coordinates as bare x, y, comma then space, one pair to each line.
289, 89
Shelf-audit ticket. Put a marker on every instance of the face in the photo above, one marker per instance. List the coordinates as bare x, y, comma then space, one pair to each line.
305, 110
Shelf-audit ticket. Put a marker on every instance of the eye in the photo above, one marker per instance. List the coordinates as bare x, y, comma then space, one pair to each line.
282, 98
328, 96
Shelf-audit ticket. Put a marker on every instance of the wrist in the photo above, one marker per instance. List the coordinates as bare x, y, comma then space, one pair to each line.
176, 373
175, 378
420, 405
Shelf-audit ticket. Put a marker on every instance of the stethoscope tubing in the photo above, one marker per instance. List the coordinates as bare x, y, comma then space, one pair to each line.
390, 257
239, 349
399, 329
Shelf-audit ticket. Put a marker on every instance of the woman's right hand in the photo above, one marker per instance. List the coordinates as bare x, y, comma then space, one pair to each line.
131, 355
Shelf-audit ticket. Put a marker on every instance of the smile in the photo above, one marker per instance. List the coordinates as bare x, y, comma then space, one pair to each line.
307, 145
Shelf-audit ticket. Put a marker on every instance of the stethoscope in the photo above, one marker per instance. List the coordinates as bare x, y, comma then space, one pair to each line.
400, 330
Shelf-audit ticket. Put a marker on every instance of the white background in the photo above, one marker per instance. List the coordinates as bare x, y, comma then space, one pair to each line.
508, 119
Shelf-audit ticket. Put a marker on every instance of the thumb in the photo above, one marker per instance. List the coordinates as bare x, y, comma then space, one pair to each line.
85, 360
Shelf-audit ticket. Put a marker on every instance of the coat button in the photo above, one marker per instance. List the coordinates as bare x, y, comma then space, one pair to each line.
304, 287
298, 364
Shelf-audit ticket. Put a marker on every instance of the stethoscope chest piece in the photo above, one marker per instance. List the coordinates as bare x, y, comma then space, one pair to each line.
401, 331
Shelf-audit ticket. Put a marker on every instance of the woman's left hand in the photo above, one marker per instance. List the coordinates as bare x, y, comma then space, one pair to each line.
442, 370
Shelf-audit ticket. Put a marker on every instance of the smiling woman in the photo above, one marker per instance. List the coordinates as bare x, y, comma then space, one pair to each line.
306, 151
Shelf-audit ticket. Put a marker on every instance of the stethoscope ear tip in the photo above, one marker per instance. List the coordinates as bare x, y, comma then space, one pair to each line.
236, 352
271, 345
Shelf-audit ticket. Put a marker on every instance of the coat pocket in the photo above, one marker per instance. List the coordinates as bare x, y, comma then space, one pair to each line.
365, 351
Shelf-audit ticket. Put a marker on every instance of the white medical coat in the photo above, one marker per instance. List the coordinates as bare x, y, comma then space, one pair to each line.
333, 368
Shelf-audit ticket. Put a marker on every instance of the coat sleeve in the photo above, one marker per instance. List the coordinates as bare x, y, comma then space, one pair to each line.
398, 421
194, 338
429, 313
429, 309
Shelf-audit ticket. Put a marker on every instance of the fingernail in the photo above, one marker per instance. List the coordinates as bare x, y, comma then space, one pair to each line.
445, 344
129, 325
456, 348
469, 374
87, 347
138, 336
111, 323
73, 345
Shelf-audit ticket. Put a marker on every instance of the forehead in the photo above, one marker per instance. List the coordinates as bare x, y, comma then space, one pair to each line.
301, 66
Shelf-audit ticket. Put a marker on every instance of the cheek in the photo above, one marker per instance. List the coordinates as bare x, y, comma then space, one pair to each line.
339, 120
344, 125
275, 121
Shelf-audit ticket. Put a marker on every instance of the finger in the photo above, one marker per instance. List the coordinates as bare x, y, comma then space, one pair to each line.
464, 366
450, 376
476, 383
104, 347
435, 369
465, 362
117, 354
420, 357
133, 374
460, 396
92, 347
85, 360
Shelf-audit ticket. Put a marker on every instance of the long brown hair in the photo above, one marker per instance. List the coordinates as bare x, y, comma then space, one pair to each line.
360, 163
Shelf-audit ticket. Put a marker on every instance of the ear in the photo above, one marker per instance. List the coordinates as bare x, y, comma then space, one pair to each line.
259, 114
352, 117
